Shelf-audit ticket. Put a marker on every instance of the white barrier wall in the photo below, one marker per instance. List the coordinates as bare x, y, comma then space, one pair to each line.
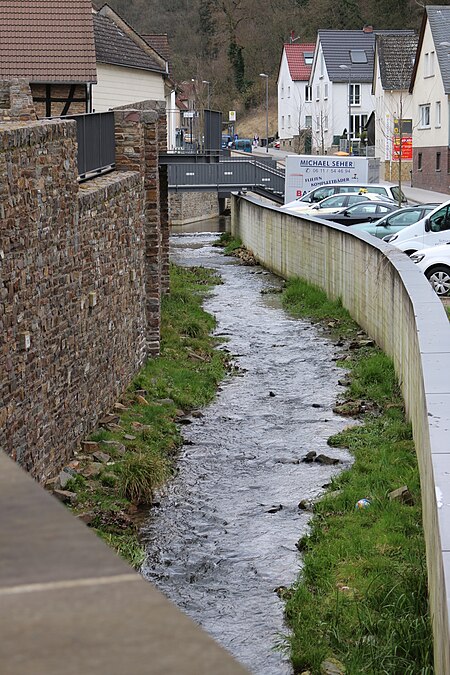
388, 297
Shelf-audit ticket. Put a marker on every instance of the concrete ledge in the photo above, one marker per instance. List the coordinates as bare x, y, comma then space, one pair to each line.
70, 605
388, 296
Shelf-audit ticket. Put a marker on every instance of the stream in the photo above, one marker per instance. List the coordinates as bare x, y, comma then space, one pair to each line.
223, 538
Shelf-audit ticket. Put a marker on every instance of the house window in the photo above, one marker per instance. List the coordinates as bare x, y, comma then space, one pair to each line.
308, 121
289, 121
289, 92
358, 122
282, 91
358, 56
322, 65
428, 66
308, 56
317, 92
308, 93
325, 93
424, 116
355, 94
419, 162
282, 121
325, 123
438, 114
438, 161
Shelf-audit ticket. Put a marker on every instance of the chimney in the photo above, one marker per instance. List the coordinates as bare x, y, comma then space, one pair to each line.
367, 29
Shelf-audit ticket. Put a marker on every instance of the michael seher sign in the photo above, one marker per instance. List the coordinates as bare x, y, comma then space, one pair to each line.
305, 172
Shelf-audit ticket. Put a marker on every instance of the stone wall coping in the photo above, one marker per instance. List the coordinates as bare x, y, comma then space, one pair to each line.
106, 186
35, 131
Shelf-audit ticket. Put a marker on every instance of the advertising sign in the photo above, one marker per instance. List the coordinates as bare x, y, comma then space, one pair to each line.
402, 147
305, 172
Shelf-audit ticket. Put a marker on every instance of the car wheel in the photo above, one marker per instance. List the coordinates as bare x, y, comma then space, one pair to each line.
439, 278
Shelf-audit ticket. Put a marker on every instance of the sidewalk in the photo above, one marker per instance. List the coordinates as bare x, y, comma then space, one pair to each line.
421, 196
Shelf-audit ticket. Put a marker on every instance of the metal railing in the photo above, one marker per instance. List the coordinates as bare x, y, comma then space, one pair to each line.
227, 176
96, 143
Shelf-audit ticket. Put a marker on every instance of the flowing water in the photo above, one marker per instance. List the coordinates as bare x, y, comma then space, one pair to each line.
223, 538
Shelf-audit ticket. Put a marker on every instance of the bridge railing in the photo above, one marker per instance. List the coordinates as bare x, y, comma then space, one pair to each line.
233, 174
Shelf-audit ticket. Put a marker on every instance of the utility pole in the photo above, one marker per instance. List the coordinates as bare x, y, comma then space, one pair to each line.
349, 103
267, 109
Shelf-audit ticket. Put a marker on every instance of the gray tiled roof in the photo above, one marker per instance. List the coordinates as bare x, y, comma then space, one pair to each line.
396, 54
439, 20
336, 46
114, 47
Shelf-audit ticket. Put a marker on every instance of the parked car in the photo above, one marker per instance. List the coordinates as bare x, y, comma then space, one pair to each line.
333, 203
226, 140
396, 221
431, 230
319, 193
243, 144
368, 211
434, 262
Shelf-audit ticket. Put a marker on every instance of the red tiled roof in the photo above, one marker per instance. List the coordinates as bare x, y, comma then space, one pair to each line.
159, 42
296, 61
47, 40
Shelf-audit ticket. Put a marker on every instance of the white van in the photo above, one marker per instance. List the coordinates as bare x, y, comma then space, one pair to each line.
431, 230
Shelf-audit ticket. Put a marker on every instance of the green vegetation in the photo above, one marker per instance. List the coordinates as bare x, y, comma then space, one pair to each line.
142, 438
361, 597
228, 243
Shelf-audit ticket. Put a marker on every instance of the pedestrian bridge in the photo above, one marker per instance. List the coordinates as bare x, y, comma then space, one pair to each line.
200, 173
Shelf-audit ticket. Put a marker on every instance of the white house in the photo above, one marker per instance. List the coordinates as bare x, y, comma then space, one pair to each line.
129, 69
294, 95
393, 66
341, 84
430, 88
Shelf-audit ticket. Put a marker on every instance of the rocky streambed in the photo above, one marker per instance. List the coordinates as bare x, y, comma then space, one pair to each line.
222, 542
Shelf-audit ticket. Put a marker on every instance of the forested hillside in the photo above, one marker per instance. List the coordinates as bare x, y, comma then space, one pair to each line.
229, 42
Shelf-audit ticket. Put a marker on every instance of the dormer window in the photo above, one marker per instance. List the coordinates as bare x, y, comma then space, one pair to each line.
358, 56
308, 56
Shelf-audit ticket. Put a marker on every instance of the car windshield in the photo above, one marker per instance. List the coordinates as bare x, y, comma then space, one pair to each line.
398, 193
366, 207
334, 200
405, 217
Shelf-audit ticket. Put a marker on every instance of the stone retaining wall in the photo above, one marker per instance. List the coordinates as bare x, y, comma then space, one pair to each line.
393, 302
80, 283
185, 207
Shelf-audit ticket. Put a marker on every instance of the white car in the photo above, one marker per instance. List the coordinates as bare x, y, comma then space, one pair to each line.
319, 193
333, 203
431, 230
434, 262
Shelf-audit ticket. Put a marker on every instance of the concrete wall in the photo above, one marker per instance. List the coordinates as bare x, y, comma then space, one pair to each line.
394, 303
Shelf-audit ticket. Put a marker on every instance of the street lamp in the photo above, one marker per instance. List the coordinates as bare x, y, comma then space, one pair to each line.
208, 83
267, 109
349, 102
